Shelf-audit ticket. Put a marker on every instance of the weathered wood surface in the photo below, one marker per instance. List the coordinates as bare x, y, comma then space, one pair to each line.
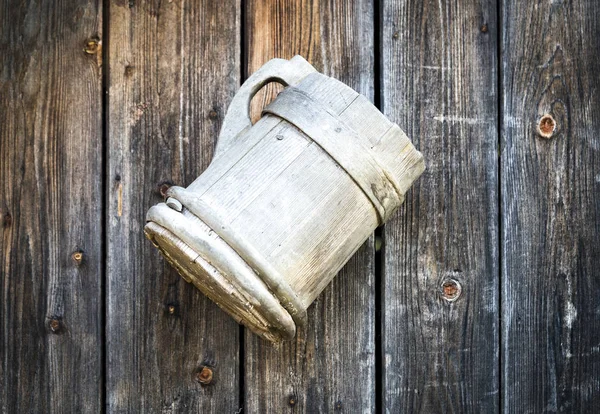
50, 208
551, 207
174, 67
331, 364
439, 82
171, 68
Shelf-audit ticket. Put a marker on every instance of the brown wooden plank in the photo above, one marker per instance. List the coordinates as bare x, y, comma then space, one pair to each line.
174, 67
439, 83
50, 207
551, 207
331, 365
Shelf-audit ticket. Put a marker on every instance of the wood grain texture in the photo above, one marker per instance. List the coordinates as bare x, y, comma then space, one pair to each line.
551, 207
50, 207
331, 365
439, 84
174, 67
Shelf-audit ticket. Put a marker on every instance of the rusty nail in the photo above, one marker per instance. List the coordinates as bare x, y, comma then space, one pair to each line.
54, 325
171, 309
395, 35
212, 114
77, 257
451, 290
546, 126
292, 400
205, 376
484, 28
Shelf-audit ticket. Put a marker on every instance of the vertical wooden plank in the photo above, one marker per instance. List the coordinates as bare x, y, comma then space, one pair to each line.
174, 67
551, 207
439, 84
50, 207
331, 365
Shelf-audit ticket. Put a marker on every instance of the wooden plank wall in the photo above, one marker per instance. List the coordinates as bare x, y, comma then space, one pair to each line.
312, 374
439, 82
551, 207
50, 207
174, 67
103, 105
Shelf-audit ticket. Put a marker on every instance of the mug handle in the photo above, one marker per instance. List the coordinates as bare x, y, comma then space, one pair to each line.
237, 120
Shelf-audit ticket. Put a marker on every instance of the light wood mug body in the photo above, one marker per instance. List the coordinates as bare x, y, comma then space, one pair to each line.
287, 201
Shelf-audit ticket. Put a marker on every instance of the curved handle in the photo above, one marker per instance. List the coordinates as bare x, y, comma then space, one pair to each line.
237, 120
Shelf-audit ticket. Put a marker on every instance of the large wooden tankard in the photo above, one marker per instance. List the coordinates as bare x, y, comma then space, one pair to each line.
287, 201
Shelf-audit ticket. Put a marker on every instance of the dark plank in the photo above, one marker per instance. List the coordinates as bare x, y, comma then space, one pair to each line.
331, 365
551, 207
439, 83
174, 67
50, 207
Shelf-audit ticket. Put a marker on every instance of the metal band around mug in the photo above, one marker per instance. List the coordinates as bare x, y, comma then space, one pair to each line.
289, 300
343, 145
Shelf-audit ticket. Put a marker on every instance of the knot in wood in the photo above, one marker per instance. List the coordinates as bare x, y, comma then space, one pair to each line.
7, 222
546, 126
163, 189
54, 325
77, 257
205, 376
292, 400
451, 290
92, 46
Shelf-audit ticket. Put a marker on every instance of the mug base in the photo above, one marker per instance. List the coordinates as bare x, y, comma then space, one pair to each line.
202, 258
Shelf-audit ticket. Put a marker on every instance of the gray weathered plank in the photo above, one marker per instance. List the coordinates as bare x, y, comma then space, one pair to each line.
331, 364
551, 207
174, 67
50, 207
439, 83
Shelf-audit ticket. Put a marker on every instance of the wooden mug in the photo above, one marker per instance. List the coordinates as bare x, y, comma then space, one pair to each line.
287, 201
